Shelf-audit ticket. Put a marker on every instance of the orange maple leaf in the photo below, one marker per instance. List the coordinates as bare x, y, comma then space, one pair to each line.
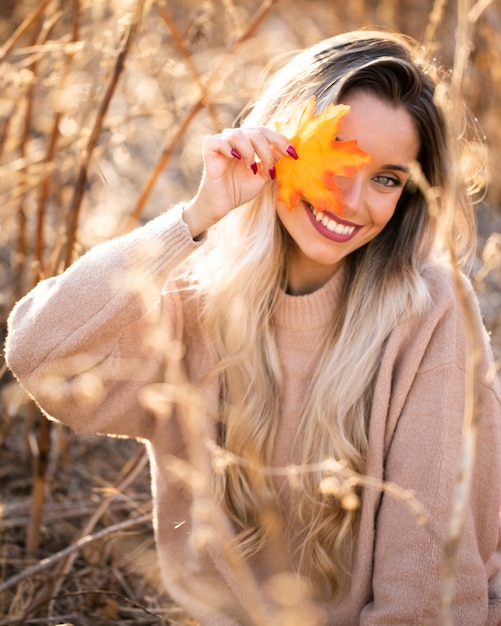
321, 157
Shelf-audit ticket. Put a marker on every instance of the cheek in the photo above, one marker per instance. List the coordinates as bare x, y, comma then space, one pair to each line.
383, 211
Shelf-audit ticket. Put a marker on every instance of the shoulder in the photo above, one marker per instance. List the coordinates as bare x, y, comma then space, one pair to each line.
437, 334
453, 323
447, 288
452, 304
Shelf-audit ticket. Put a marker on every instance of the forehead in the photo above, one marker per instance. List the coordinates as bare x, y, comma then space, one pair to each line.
386, 132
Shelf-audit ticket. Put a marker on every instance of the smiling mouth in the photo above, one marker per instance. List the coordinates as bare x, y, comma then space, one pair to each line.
332, 225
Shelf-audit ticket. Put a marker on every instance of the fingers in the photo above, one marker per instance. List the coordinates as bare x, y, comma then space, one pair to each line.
256, 148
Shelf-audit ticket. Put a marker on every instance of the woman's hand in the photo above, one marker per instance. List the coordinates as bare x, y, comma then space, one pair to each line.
238, 163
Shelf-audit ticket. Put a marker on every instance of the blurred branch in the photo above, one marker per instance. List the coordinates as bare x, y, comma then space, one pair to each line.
49, 158
29, 98
78, 194
178, 39
477, 9
44, 564
434, 19
128, 474
65, 558
473, 335
22, 29
41, 446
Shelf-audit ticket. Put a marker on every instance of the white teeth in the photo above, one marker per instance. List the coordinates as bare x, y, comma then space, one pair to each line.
332, 225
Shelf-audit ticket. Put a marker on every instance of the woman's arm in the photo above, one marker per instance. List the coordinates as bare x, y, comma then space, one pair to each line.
83, 343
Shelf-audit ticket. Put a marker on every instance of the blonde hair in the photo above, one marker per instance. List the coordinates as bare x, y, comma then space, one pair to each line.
243, 270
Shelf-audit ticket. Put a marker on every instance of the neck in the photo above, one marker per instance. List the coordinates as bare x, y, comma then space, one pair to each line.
304, 278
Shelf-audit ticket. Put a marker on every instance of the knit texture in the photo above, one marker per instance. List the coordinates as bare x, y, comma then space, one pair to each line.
99, 349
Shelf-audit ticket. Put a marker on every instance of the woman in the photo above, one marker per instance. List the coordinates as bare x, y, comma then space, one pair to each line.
300, 380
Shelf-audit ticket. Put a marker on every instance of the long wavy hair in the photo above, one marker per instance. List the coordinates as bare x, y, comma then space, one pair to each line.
240, 271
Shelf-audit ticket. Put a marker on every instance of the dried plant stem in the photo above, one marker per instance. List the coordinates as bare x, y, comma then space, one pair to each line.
213, 531
78, 194
328, 467
4, 132
66, 557
477, 9
21, 251
15, 514
202, 101
180, 43
128, 474
38, 491
468, 453
42, 448
473, 341
50, 156
22, 236
461, 52
22, 29
159, 167
75, 594
436, 15
45, 564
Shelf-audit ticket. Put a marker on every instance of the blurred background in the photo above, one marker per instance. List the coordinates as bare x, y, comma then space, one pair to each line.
103, 107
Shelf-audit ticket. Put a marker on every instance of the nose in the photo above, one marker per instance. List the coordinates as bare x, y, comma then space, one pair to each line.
351, 188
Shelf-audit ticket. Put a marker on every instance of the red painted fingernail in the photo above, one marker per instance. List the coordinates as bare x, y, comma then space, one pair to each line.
292, 152
254, 167
272, 173
236, 154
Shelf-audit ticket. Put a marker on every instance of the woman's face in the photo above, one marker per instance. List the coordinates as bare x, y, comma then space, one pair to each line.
323, 240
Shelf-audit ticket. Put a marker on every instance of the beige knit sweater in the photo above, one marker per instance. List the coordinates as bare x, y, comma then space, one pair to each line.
100, 352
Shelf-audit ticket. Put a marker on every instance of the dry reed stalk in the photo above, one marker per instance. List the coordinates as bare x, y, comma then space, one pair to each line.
5, 130
180, 43
41, 454
22, 221
212, 527
39, 265
132, 220
22, 29
50, 156
477, 9
114, 594
473, 337
44, 564
16, 514
345, 478
74, 211
127, 475
202, 101
434, 20
37, 41
42, 448
66, 558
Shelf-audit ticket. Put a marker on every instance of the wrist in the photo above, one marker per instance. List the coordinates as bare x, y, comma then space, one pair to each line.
194, 220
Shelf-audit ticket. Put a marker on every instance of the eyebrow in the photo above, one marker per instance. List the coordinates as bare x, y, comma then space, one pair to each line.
392, 166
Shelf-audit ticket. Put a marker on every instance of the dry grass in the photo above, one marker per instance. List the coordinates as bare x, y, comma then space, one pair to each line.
103, 105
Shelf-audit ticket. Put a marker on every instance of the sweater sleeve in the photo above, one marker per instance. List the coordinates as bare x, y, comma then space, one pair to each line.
423, 455
84, 343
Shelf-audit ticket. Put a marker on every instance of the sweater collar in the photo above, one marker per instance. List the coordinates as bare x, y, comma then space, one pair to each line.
312, 310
